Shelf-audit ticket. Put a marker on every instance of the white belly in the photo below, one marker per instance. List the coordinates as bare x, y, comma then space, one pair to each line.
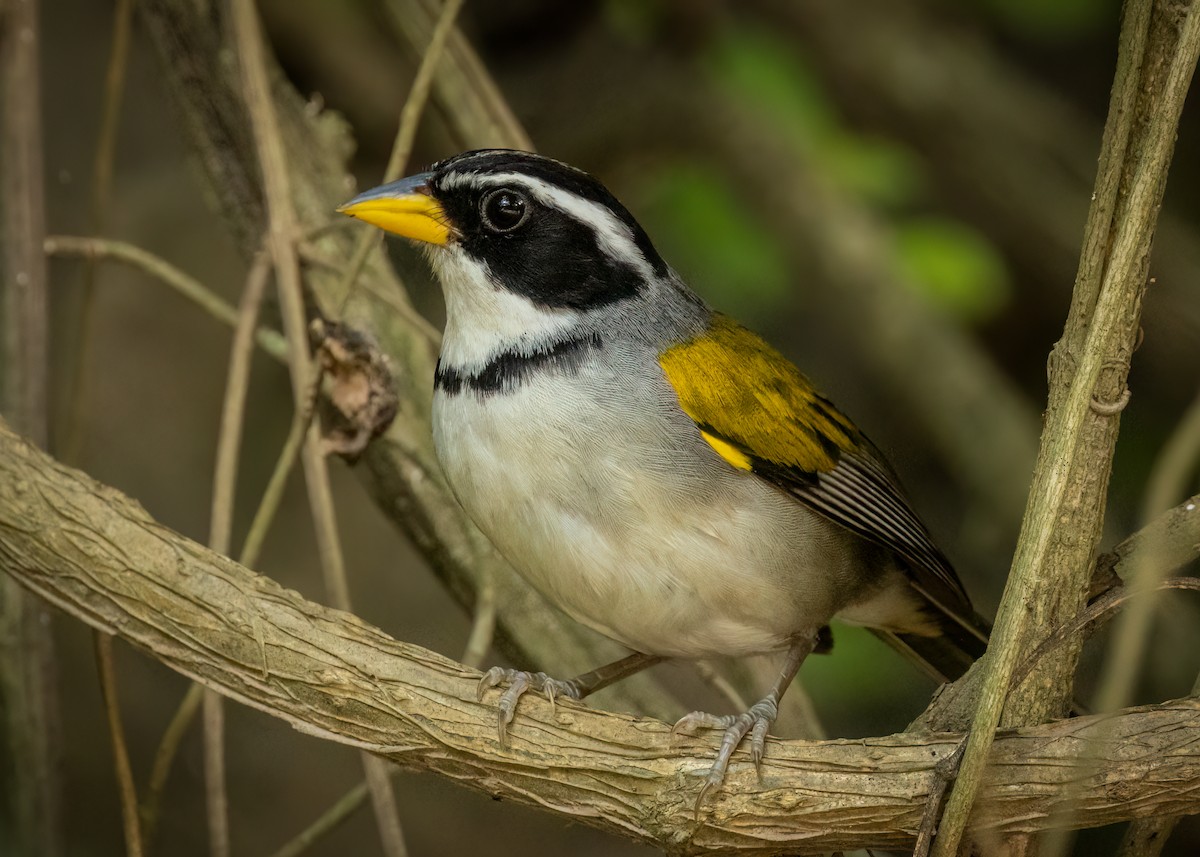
633, 526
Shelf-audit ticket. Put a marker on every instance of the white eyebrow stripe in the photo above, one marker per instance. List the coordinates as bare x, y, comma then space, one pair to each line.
613, 236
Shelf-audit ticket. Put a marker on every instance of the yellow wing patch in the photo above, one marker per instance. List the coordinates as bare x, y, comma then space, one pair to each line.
728, 451
752, 405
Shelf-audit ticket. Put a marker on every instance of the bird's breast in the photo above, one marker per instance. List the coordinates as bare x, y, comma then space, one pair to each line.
602, 494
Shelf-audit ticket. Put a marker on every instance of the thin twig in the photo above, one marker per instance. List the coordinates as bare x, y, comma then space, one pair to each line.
282, 229
224, 482
472, 105
328, 821
164, 759
943, 774
216, 795
120, 251
1099, 610
79, 382
403, 308
78, 387
709, 675
383, 800
410, 117
233, 410
264, 515
126, 789
1169, 478
483, 623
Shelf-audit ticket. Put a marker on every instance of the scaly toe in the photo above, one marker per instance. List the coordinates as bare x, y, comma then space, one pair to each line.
507, 705
690, 723
754, 723
519, 682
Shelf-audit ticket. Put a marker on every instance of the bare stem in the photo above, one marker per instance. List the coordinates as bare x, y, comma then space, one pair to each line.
224, 482
102, 168
116, 731
264, 515
164, 758
326, 822
406, 135
483, 623
166, 273
282, 232
216, 795
233, 409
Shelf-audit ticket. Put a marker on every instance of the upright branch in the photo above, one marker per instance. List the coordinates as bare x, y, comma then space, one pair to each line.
29, 799
1048, 583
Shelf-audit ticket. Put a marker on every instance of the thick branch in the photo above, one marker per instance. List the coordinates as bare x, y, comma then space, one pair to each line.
98, 555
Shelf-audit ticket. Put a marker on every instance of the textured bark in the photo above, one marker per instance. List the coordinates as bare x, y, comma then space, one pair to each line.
99, 556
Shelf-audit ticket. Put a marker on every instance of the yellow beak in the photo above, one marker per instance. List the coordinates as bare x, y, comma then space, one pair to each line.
405, 208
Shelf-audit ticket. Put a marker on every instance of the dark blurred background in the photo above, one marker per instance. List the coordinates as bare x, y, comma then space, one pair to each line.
799, 163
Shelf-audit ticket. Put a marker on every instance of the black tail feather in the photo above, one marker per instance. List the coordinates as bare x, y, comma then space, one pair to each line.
946, 657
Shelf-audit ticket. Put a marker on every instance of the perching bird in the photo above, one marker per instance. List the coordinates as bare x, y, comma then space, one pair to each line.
655, 469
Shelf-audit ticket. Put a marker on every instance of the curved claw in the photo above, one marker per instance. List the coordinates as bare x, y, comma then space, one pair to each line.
519, 682
758, 743
754, 723
507, 706
689, 723
490, 679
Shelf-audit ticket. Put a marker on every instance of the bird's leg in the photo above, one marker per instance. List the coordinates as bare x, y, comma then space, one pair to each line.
754, 722
520, 681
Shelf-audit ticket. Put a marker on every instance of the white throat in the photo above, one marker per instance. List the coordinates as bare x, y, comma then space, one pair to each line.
483, 319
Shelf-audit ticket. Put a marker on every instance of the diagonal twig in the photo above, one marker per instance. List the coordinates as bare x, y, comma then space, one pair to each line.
190, 288
406, 135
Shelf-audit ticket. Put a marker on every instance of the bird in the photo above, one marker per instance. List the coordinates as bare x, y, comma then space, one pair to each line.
655, 469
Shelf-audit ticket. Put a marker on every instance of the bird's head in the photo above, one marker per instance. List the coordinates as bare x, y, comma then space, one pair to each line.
510, 221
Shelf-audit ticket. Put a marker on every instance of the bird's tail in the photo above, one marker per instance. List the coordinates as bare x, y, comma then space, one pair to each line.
945, 657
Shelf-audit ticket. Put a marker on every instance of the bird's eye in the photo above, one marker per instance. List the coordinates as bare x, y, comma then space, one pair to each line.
503, 210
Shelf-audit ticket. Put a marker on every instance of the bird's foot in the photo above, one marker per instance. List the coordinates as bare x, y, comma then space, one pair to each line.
518, 682
754, 723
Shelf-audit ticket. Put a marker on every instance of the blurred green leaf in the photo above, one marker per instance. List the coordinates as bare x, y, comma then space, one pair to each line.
635, 21
769, 74
955, 266
1055, 19
878, 170
701, 224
